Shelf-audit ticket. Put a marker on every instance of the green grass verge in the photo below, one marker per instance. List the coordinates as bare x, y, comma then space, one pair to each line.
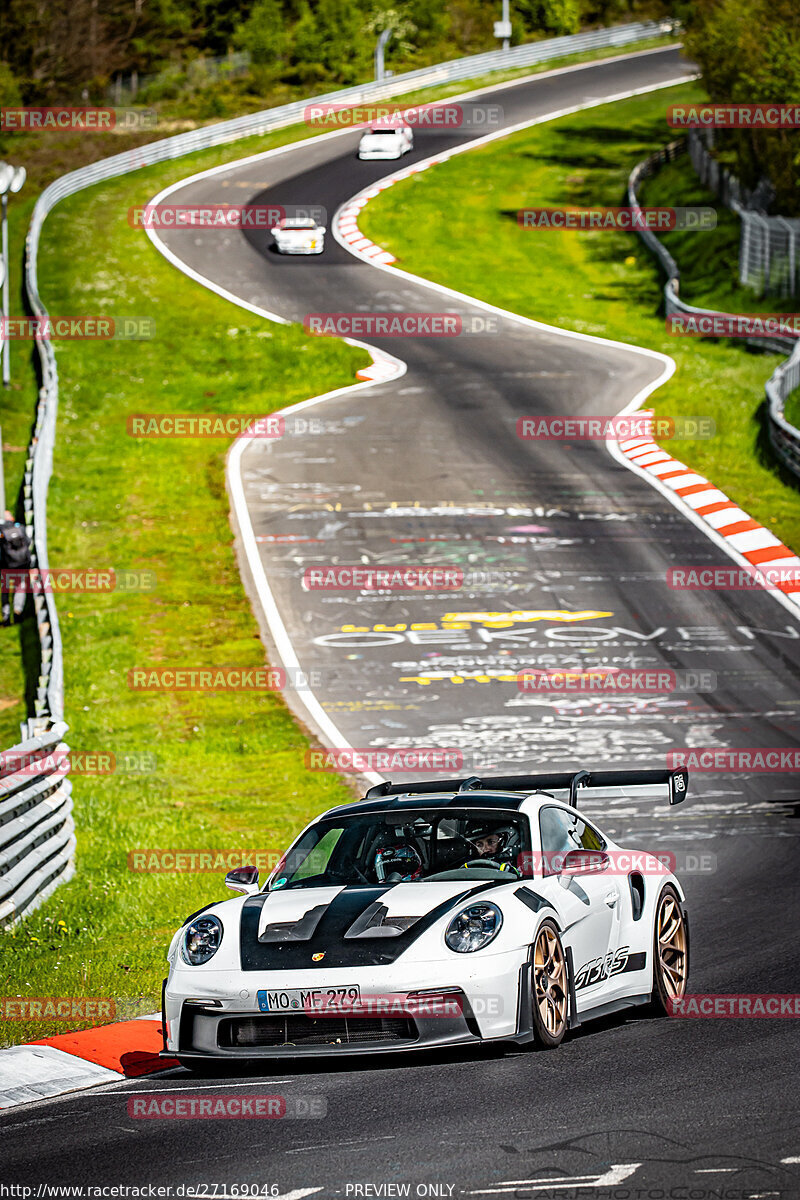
230, 769
466, 236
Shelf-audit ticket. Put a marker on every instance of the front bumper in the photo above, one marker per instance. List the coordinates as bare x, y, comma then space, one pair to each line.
213, 1034
214, 1014
285, 248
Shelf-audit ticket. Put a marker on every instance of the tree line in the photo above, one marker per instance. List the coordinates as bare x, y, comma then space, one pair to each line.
59, 51
749, 52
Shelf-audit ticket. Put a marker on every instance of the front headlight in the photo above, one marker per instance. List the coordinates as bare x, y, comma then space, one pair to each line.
474, 928
201, 940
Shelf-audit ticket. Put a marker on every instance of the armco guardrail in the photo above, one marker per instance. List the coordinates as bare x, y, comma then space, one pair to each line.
49, 701
784, 438
37, 834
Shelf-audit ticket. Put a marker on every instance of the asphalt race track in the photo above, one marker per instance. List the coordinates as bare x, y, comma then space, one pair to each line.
428, 470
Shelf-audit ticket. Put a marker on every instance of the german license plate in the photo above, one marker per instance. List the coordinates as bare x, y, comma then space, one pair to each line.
299, 1000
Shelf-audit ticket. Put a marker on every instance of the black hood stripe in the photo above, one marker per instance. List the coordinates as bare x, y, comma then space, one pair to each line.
329, 935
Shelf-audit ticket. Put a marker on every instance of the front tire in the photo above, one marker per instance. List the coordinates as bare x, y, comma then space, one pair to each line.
549, 988
670, 952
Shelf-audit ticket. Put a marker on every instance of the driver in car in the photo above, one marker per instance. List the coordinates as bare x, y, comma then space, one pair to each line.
488, 844
492, 842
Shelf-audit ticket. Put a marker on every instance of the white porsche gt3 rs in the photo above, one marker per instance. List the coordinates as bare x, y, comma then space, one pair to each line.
299, 235
433, 914
386, 142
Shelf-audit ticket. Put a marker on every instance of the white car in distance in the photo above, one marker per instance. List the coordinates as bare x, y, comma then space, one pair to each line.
386, 142
299, 235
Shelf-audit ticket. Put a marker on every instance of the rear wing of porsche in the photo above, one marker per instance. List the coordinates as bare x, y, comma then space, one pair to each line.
675, 784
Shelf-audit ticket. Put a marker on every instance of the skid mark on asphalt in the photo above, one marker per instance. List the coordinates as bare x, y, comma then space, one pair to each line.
365, 1141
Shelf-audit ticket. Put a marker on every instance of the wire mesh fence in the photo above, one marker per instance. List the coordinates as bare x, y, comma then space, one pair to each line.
769, 248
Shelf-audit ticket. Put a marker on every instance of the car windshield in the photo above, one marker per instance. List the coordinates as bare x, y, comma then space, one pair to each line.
409, 846
383, 132
298, 223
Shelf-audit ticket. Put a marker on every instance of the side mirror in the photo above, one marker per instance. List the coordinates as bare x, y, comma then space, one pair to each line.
583, 862
321, 229
243, 879
274, 233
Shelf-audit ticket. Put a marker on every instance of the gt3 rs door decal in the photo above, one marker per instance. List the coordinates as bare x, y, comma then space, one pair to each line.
616, 962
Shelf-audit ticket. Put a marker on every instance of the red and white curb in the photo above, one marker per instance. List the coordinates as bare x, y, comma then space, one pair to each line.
69, 1062
345, 224
382, 368
740, 532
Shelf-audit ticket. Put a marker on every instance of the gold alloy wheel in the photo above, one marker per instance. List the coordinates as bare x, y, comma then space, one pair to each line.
671, 945
550, 981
